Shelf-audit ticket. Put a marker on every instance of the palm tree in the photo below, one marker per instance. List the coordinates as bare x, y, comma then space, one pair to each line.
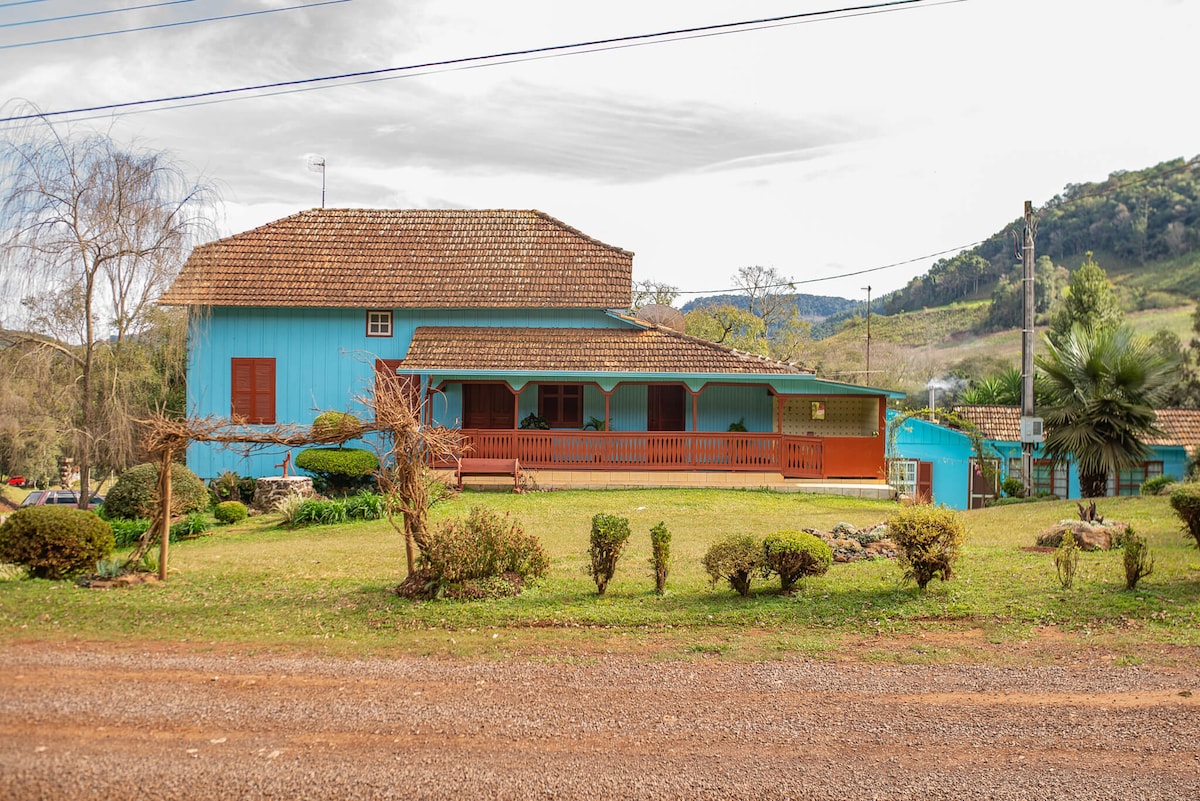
1103, 386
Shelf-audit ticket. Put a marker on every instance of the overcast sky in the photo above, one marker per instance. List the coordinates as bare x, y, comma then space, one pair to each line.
817, 149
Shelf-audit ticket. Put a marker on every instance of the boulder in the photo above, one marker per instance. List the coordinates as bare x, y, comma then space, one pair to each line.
1088, 536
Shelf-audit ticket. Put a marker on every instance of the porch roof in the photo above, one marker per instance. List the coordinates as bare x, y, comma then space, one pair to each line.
606, 356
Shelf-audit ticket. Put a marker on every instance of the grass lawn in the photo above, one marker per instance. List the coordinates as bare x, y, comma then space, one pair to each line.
328, 589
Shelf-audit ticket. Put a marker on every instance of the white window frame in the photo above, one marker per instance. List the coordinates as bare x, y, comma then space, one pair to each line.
379, 322
902, 476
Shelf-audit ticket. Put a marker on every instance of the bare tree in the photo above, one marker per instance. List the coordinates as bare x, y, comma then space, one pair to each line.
406, 447
652, 291
772, 296
90, 235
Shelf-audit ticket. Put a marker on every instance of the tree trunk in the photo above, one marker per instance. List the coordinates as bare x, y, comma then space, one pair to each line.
1093, 485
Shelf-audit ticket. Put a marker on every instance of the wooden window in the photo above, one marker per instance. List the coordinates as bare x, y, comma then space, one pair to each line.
1130, 479
561, 405
1048, 478
665, 410
253, 391
379, 323
488, 406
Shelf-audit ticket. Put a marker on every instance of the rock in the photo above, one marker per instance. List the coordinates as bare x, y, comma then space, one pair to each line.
1088, 536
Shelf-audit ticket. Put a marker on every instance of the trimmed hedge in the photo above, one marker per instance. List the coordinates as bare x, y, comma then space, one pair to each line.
136, 492
331, 425
735, 558
609, 535
230, 512
792, 555
930, 539
54, 542
338, 469
1185, 500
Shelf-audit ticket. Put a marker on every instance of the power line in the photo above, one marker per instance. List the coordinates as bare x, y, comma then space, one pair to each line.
792, 284
477, 61
84, 14
21, 3
165, 25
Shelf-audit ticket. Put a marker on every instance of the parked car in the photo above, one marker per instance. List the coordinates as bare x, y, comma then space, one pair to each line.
59, 497
16, 481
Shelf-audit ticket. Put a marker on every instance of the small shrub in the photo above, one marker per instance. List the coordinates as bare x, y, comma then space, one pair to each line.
54, 542
478, 556
135, 494
313, 512
194, 525
792, 555
1138, 561
735, 559
1157, 485
660, 556
1066, 561
1013, 487
339, 469
609, 535
226, 487
288, 510
229, 512
1185, 500
929, 538
336, 426
128, 532
366, 505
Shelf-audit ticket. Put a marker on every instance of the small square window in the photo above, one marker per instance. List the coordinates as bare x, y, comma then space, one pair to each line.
379, 323
818, 410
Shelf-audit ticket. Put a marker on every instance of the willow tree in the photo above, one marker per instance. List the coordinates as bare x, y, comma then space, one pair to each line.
91, 234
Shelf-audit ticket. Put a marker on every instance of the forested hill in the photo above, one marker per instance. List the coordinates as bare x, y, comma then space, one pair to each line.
1132, 221
809, 307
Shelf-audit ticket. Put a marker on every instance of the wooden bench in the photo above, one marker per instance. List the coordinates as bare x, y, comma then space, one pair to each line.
490, 467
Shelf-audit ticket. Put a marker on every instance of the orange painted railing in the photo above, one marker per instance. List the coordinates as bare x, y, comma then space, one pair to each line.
794, 457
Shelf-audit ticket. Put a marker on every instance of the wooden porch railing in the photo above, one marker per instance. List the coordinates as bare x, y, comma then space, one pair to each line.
794, 457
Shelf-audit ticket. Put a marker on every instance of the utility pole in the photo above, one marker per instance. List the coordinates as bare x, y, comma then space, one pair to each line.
1031, 427
868, 288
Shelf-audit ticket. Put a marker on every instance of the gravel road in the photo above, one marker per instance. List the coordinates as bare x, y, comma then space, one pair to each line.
101, 722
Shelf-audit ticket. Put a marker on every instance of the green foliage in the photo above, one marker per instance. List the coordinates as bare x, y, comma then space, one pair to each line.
1185, 500
735, 558
194, 525
365, 505
314, 512
481, 547
135, 494
1090, 303
1104, 384
660, 555
1013, 487
336, 426
1159, 485
127, 532
930, 539
609, 536
738, 426
338, 470
534, 422
1139, 563
1066, 560
792, 555
54, 542
230, 512
728, 325
229, 486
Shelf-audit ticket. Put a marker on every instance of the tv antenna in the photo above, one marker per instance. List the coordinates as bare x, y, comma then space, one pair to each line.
317, 164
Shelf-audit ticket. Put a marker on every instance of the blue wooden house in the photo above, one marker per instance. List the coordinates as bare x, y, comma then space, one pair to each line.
938, 461
497, 316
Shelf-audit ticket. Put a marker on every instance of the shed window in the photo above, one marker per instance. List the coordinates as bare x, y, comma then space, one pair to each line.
561, 405
379, 323
253, 391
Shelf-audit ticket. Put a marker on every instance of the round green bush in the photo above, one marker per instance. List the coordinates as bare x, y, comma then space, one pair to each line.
54, 542
338, 469
230, 512
1185, 500
736, 559
930, 539
135, 494
792, 555
1157, 485
339, 426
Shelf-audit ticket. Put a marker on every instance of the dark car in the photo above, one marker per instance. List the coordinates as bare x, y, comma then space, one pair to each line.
59, 498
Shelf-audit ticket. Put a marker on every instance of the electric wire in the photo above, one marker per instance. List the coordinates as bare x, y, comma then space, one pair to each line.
85, 14
169, 25
511, 56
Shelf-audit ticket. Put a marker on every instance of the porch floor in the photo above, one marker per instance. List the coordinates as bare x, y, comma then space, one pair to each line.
596, 479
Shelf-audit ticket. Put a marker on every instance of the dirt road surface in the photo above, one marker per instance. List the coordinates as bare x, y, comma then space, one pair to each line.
105, 722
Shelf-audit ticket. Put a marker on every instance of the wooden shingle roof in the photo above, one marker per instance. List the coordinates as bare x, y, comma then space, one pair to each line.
617, 350
407, 258
1003, 423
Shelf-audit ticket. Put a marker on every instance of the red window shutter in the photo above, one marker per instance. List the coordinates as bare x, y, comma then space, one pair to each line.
253, 391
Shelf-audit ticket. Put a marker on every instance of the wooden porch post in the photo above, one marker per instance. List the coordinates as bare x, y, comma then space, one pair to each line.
695, 409
516, 406
779, 414
607, 409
